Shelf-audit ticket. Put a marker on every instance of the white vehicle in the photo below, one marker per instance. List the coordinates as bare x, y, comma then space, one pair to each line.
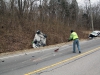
94, 34
39, 40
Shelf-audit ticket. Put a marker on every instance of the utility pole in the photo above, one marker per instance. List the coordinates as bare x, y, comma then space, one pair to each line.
91, 16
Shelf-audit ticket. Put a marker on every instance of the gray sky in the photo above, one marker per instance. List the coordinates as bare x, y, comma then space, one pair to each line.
81, 2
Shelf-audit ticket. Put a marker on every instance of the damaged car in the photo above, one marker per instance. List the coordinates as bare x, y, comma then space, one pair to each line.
94, 34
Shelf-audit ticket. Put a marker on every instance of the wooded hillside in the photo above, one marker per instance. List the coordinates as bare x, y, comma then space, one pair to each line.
20, 19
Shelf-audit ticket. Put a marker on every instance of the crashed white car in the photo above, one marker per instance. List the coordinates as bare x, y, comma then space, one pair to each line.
39, 40
94, 34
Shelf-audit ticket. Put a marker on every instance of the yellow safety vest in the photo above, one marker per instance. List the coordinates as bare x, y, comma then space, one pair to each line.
73, 36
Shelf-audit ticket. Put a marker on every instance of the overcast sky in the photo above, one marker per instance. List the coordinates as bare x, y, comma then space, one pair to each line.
81, 2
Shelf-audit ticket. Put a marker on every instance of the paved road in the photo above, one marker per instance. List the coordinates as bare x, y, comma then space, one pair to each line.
86, 65
48, 62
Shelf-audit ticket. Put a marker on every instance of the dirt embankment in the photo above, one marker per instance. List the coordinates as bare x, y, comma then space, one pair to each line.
25, 51
14, 40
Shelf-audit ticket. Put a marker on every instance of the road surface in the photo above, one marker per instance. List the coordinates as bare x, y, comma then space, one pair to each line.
48, 62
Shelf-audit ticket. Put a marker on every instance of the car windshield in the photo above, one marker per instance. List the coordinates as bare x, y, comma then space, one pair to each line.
94, 32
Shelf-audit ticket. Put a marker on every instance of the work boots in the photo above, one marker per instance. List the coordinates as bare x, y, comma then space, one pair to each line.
79, 51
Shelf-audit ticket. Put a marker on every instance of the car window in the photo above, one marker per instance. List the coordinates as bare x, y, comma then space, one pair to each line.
94, 33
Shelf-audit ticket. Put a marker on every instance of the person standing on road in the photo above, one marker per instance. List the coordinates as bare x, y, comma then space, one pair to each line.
75, 38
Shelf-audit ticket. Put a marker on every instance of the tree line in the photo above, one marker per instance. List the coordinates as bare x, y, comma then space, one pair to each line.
20, 19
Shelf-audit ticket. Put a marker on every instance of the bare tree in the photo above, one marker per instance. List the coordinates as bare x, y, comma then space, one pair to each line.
2, 7
74, 9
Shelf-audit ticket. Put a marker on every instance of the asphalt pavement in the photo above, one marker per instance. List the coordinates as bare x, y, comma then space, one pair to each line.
83, 64
49, 62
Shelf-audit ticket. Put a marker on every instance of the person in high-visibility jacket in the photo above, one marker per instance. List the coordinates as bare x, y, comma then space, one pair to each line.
75, 38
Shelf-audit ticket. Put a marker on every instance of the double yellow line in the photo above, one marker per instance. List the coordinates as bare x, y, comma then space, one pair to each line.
80, 55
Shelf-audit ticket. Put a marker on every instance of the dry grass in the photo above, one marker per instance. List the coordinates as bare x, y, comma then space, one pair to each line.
25, 51
17, 35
